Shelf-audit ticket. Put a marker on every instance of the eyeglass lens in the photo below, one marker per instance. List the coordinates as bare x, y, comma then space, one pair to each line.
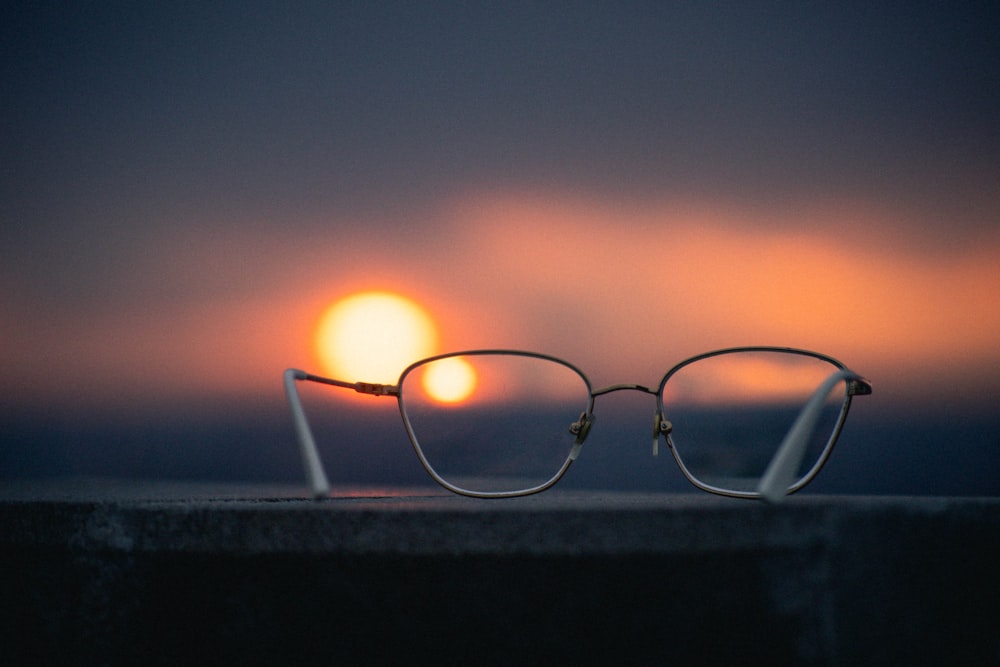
493, 423
731, 412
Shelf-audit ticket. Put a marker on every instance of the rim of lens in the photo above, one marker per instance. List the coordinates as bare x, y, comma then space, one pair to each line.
809, 475
415, 441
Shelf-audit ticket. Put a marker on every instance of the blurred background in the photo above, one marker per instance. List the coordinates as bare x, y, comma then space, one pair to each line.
187, 187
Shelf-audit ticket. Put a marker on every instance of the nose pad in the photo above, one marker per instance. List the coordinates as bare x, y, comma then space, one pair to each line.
581, 427
660, 425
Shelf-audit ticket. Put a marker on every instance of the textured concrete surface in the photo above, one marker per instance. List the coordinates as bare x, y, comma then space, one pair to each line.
111, 573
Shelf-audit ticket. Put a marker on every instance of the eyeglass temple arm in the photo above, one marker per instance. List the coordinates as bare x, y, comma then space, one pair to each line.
315, 476
782, 469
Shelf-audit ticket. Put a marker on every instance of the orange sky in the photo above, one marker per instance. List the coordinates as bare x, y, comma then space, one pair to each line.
623, 290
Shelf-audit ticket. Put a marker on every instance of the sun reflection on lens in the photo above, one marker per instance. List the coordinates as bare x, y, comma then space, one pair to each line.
450, 380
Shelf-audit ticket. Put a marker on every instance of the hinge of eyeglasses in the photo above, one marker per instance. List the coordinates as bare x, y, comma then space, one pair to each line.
376, 389
859, 387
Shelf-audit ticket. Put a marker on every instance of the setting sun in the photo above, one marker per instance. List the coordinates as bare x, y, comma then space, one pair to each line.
450, 380
373, 336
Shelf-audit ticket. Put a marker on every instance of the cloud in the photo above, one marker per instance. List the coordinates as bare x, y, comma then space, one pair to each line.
670, 279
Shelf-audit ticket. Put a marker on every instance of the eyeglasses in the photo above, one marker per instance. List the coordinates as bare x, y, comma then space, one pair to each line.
748, 422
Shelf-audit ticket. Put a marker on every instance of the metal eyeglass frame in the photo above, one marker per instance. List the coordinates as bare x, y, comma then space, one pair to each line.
777, 481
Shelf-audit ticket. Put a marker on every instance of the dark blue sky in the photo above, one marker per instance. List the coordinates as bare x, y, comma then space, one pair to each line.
300, 106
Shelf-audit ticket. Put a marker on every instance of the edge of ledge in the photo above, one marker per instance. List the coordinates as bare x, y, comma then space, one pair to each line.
556, 523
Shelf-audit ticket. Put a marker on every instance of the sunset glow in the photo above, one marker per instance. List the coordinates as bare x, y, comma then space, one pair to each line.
624, 291
373, 336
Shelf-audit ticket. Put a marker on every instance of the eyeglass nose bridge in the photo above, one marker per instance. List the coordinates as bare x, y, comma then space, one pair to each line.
581, 427
623, 387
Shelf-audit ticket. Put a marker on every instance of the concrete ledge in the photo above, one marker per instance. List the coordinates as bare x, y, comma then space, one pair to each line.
106, 574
